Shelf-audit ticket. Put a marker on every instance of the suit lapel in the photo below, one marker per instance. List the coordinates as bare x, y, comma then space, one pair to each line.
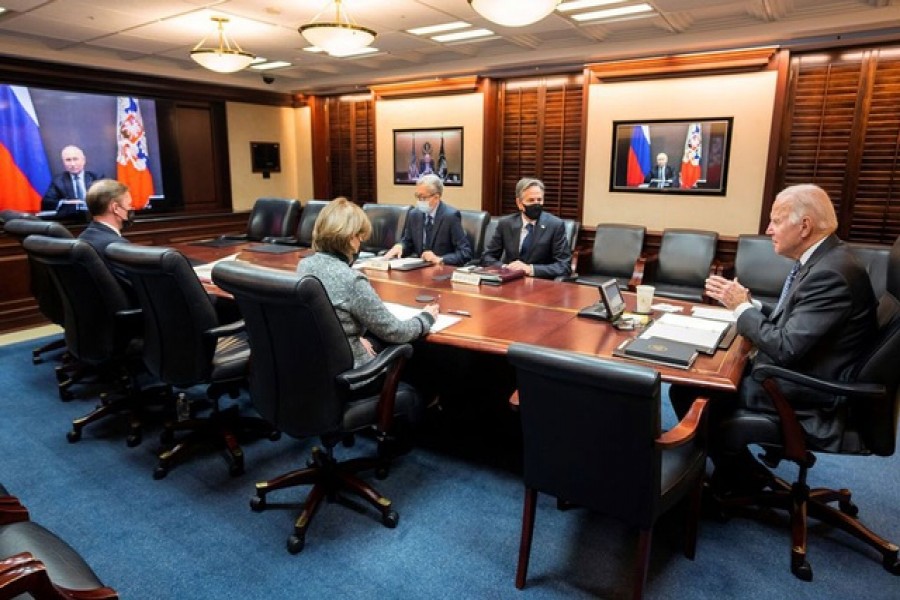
829, 243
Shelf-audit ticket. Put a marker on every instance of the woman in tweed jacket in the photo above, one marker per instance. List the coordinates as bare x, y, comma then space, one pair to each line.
339, 230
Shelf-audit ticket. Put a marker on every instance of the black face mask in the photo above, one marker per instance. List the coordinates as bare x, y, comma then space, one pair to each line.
533, 211
128, 221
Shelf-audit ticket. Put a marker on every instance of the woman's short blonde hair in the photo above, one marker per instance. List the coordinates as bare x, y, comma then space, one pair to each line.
338, 223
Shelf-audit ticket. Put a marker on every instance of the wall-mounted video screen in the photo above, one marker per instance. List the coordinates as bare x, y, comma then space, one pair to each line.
118, 136
420, 152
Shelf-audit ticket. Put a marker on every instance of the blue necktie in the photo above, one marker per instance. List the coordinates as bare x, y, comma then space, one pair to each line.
79, 188
788, 282
526, 243
429, 227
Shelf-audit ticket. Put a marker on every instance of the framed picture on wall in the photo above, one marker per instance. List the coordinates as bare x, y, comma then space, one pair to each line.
418, 152
683, 156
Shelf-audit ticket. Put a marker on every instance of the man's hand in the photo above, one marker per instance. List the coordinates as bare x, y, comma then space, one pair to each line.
395, 252
518, 265
730, 293
431, 257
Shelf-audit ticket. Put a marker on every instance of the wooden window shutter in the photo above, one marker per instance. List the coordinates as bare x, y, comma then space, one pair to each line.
351, 151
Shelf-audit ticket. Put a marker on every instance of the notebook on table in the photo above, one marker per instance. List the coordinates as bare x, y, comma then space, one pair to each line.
659, 351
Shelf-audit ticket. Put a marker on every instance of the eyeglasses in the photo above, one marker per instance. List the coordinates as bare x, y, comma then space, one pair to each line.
421, 197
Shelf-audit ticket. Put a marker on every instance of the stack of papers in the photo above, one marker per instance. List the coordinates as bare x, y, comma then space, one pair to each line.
405, 313
703, 334
204, 271
716, 314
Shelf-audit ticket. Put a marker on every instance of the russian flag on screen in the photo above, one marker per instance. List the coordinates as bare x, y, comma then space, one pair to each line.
131, 162
24, 170
638, 156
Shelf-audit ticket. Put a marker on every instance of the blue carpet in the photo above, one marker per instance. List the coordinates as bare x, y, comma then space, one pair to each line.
193, 535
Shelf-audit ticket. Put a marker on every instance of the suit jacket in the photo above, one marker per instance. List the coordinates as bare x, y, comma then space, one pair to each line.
449, 239
100, 236
654, 174
61, 188
822, 329
549, 253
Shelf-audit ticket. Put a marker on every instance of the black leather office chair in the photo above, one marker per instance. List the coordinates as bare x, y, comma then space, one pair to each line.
591, 437
684, 261
387, 221
101, 328
303, 236
9, 214
474, 223
759, 269
617, 249
36, 563
489, 232
42, 287
874, 258
303, 381
185, 344
270, 217
869, 404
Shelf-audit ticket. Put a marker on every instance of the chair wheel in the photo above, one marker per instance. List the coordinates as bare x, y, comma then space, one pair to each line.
160, 473
66, 395
235, 469
295, 544
802, 570
390, 519
73, 436
257, 504
36, 360
891, 564
133, 439
848, 508
275, 436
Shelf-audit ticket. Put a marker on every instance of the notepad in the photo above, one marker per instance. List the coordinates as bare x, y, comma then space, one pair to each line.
403, 312
702, 334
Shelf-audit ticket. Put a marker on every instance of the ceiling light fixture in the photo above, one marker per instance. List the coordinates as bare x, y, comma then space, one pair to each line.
228, 57
340, 36
611, 13
514, 13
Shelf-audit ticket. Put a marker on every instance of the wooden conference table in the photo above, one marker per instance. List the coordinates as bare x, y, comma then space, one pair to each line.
533, 311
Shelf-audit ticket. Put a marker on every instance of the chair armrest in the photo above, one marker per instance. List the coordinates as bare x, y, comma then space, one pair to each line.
24, 574
687, 429
360, 377
836, 388
645, 271
281, 240
225, 330
12, 510
234, 236
129, 324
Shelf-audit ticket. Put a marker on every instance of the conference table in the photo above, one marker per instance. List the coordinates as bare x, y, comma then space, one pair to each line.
527, 310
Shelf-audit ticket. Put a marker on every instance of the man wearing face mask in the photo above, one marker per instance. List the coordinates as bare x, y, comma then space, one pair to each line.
530, 240
434, 230
109, 203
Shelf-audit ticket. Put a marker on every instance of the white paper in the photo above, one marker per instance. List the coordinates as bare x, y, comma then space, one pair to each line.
405, 313
716, 314
667, 308
702, 333
204, 271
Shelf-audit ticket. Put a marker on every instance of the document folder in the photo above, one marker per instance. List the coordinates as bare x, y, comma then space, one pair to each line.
659, 351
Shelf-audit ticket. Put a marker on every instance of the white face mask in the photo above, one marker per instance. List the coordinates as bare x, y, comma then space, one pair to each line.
424, 206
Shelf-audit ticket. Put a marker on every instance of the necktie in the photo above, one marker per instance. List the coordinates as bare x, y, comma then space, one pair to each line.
526, 242
79, 188
662, 176
788, 282
429, 227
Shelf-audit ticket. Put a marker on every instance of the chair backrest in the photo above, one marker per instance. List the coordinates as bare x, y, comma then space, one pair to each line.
297, 344
474, 223
759, 269
42, 287
589, 427
874, 258
387, 221
617, 249
489, 232
572, 228
893, 270
685, 257
9, 214
273, 217
308, 221
177, 312
91, 296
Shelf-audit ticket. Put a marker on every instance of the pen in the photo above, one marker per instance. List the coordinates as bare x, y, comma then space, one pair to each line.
462, 313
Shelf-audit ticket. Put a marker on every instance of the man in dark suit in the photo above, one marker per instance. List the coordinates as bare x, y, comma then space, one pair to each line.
109, 203
820, 326
434, 230
531, 240
662, 175
73, 183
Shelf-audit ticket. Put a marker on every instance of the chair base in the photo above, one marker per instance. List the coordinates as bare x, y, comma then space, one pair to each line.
219, 429
800, 501
57, 344
129, 402
328, 477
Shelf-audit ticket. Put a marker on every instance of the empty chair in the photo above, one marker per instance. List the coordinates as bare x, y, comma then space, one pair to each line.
759, 269
682, 265
185, 344
572, 228
42, 287
303, 381
37, 563
617, 249
100, 325
874, 258
488, 234
270, 217
9, 214
387, 221
303, 236
475, 223
592, 438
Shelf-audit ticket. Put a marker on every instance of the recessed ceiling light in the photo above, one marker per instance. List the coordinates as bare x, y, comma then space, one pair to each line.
275, 64
579, 4
462, 35
610, 13
438, 28
355, 52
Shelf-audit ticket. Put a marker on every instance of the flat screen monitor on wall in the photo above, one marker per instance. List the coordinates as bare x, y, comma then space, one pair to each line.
674, 156
265, 157
117, 134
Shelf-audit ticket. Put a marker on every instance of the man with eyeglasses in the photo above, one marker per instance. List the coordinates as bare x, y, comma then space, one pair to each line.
434, 229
